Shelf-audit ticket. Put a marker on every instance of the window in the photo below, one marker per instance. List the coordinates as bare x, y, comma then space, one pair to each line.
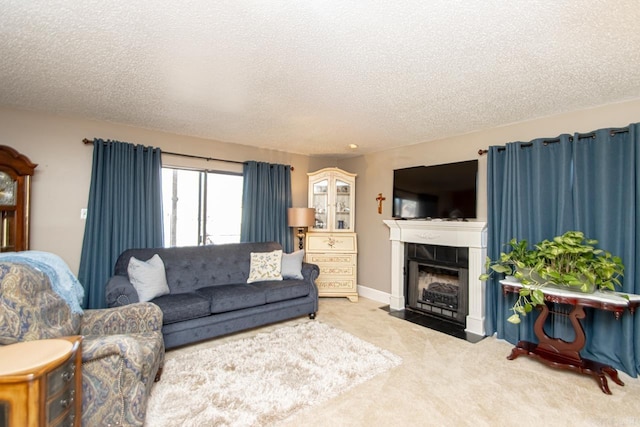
201, 207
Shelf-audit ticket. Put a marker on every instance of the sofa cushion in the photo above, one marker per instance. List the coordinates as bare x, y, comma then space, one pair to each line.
265, 266
287, 289
148, 277
179, 307
225, 298
292, 265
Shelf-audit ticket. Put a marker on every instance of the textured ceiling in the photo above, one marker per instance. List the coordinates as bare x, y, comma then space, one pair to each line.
312, 76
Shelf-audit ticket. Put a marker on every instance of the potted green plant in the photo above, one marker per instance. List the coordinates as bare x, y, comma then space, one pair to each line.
517, 262
568, 261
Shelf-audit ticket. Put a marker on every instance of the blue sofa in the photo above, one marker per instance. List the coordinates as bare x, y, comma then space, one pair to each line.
209, 294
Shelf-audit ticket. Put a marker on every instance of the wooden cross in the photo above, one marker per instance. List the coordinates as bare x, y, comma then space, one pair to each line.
379, 199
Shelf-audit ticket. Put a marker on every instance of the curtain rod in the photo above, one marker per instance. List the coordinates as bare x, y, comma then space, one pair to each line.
554, 140
190, 156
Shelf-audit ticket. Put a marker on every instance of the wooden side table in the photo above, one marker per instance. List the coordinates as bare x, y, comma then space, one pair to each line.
41, 383
558, 353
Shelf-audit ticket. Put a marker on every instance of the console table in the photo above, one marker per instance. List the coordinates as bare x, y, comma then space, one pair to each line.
558, 353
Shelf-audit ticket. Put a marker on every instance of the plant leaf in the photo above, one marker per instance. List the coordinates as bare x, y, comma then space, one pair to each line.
537, 297
515, 319
500, 268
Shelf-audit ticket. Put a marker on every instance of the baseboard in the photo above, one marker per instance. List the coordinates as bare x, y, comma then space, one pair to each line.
374, 294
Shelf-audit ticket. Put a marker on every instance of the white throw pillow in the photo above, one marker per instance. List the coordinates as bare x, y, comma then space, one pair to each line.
148, 277
265, 266
292, 265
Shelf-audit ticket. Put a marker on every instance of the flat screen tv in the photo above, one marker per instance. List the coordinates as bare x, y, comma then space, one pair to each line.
446, 191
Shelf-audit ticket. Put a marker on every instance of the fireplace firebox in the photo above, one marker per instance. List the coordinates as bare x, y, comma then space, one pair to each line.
437, 281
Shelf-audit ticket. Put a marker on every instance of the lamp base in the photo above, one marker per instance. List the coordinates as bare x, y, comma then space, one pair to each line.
300, 238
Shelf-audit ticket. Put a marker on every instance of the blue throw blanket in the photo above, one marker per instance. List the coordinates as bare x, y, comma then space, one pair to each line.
63, 281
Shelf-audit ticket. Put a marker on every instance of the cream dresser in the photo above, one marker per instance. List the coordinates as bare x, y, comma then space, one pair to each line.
332, 243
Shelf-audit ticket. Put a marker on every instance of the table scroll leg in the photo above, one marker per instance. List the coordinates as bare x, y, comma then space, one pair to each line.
516, 351
613, 374
604, 386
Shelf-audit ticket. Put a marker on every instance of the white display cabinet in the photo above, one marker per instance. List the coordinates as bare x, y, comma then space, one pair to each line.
332, 243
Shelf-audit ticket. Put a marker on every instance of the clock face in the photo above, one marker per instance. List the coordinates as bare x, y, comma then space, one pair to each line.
7, 190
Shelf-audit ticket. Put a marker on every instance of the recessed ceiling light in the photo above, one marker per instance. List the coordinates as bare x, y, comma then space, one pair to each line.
353, 146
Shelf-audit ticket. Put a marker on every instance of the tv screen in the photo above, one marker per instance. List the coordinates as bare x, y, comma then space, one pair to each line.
445, 191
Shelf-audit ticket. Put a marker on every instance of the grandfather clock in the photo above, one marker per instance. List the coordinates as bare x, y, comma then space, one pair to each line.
15, 181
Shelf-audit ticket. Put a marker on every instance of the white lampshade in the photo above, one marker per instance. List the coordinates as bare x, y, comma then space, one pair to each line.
301, 217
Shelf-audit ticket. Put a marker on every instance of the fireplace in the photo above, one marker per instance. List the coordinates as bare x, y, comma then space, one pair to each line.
437, 281
462, 240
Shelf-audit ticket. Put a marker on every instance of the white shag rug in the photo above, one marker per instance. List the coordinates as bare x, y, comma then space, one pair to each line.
263, 379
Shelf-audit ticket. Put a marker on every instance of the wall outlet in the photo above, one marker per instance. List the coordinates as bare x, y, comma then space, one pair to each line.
83, 213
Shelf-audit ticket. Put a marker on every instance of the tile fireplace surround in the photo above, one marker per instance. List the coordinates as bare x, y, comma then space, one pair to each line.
466, 234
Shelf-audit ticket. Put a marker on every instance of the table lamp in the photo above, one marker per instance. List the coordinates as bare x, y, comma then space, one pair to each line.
301, 218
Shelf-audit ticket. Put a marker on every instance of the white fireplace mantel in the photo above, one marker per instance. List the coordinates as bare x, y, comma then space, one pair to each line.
465, 234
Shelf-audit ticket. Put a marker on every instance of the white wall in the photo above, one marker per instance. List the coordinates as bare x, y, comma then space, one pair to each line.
375, 174
60, 186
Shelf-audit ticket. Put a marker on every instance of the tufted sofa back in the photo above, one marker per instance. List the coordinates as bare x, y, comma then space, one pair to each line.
192, 267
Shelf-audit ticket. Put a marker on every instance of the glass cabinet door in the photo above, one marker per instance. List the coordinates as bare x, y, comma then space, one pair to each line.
8, 192
343, 205
332, 193
320, 202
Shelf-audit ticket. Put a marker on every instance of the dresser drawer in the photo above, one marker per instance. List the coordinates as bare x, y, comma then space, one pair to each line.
61, 403
61, 377
331, 242
323, 259
68, 420
336, 284
336, 270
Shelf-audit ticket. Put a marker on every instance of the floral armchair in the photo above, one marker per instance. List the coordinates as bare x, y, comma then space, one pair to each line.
122, 349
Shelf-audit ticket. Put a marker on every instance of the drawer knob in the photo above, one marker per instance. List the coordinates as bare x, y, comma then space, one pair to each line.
67, 376
65, 403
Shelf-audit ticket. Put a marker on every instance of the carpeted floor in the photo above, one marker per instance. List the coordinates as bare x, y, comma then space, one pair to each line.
445, 381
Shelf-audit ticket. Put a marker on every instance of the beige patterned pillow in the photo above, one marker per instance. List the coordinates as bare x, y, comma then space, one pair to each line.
265, 266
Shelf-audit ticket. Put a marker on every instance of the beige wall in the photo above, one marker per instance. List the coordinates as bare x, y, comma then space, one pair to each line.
61, 181
60, 186
375, 174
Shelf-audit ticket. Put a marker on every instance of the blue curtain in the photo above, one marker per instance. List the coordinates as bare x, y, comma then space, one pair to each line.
586, 183
529, 196
265, 199
606, 194
124, 211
